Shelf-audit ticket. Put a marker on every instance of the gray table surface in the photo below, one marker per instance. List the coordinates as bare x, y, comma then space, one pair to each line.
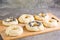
32, 9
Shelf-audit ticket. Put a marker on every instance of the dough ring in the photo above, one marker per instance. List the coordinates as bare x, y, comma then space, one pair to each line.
14, 30
51, 23
10, 21
34, 26
45, 16
26, 18
42, 17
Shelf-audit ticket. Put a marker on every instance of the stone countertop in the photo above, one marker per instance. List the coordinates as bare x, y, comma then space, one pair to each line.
32, 8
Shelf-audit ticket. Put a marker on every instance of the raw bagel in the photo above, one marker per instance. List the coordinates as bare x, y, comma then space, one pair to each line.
51, 23
34, 26
45, 17
26, 18
10, 21
42, 17
14, 30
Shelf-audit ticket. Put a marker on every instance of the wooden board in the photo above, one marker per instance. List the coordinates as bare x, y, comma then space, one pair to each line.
1, 27
25, 33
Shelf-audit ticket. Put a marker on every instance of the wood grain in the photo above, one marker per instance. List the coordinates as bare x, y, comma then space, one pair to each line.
26, 33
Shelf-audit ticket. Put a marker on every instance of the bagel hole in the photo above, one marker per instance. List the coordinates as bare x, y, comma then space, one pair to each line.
27, 17
35, 24
50, 20
14, 28
43, 15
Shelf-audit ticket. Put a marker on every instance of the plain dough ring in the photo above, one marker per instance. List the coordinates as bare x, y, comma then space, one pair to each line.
51, 23
35, 26
10, 21
26, 18
42, 17
14, 30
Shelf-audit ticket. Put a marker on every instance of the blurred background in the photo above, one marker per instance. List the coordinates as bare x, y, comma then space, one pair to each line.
17, 7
